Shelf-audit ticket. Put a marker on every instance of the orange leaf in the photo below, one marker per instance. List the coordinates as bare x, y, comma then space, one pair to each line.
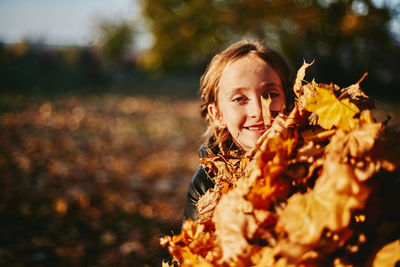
389, 255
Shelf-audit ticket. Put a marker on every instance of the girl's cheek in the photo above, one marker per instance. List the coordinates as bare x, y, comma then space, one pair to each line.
277, 105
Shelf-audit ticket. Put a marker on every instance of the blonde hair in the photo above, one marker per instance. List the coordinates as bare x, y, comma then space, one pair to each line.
215, 135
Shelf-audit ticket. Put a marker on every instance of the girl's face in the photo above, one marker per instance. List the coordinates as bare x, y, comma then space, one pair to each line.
241, 87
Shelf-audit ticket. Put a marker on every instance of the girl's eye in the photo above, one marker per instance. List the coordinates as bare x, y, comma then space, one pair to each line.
239, 99
270, 95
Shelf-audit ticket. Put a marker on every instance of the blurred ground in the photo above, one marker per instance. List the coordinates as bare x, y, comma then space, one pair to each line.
95, 180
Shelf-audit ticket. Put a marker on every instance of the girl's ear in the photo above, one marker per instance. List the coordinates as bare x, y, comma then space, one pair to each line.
214, 113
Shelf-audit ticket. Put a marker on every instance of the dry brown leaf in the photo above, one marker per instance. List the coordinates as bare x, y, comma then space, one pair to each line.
309, 152
268, 184
266, 113
233, 226
279, 128
206, 205
308, 90
226, 169
296, 118
357, 96
300, 77
265, 257
355, 143
317, 134
329, 205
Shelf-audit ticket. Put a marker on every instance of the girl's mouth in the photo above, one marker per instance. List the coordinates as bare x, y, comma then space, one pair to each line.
256, 128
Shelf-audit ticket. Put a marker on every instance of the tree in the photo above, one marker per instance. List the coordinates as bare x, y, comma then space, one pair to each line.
341, 35
114, 40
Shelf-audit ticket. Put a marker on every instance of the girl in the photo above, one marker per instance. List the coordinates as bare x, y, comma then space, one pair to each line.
231, 90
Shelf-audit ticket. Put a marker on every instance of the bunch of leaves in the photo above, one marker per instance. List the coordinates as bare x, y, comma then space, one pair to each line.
319, 189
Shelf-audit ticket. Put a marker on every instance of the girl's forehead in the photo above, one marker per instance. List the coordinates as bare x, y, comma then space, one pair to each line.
248, 70
248, 61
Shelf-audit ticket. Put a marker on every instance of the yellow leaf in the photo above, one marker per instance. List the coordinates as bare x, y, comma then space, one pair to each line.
166, 264
61, 206
332, 111
389, 255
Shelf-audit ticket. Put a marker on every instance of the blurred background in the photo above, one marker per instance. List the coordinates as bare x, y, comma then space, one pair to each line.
99, 109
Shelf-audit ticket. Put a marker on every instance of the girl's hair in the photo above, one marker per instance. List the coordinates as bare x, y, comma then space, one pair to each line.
211, 77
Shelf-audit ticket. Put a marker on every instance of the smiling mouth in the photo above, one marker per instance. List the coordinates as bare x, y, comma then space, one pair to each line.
255, 128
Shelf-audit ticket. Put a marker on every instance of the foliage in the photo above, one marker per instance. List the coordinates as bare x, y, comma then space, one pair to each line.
94, 180
343, 35
319, 189
114, 39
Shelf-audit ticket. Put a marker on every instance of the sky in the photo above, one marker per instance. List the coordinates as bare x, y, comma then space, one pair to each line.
61, 22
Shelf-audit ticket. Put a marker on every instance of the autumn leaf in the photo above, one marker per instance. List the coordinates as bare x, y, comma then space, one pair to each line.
336, 193
357, 96
317, 135
300, 77
309, 152
266, 113
233, 226
278, 129
331, 111
301, 196
166, 264
206, 205
354, 143
224, 170
389, 255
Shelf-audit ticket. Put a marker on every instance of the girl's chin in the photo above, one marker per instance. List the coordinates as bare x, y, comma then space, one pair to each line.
249, 143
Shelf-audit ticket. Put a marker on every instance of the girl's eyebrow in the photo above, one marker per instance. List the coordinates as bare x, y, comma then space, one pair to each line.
267, 84
236, 90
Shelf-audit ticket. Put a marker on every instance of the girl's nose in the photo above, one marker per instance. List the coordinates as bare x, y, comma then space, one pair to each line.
255, 109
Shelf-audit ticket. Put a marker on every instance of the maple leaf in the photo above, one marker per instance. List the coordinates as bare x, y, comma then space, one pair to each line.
300, 77
389, 255
336, 193
296, 118
226, 169
166, 264
267, 181
354, 143
331, 111
357, 96
309, 152
194, 244
206, 205
266, 257
317, 134
191, 259
232, 226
